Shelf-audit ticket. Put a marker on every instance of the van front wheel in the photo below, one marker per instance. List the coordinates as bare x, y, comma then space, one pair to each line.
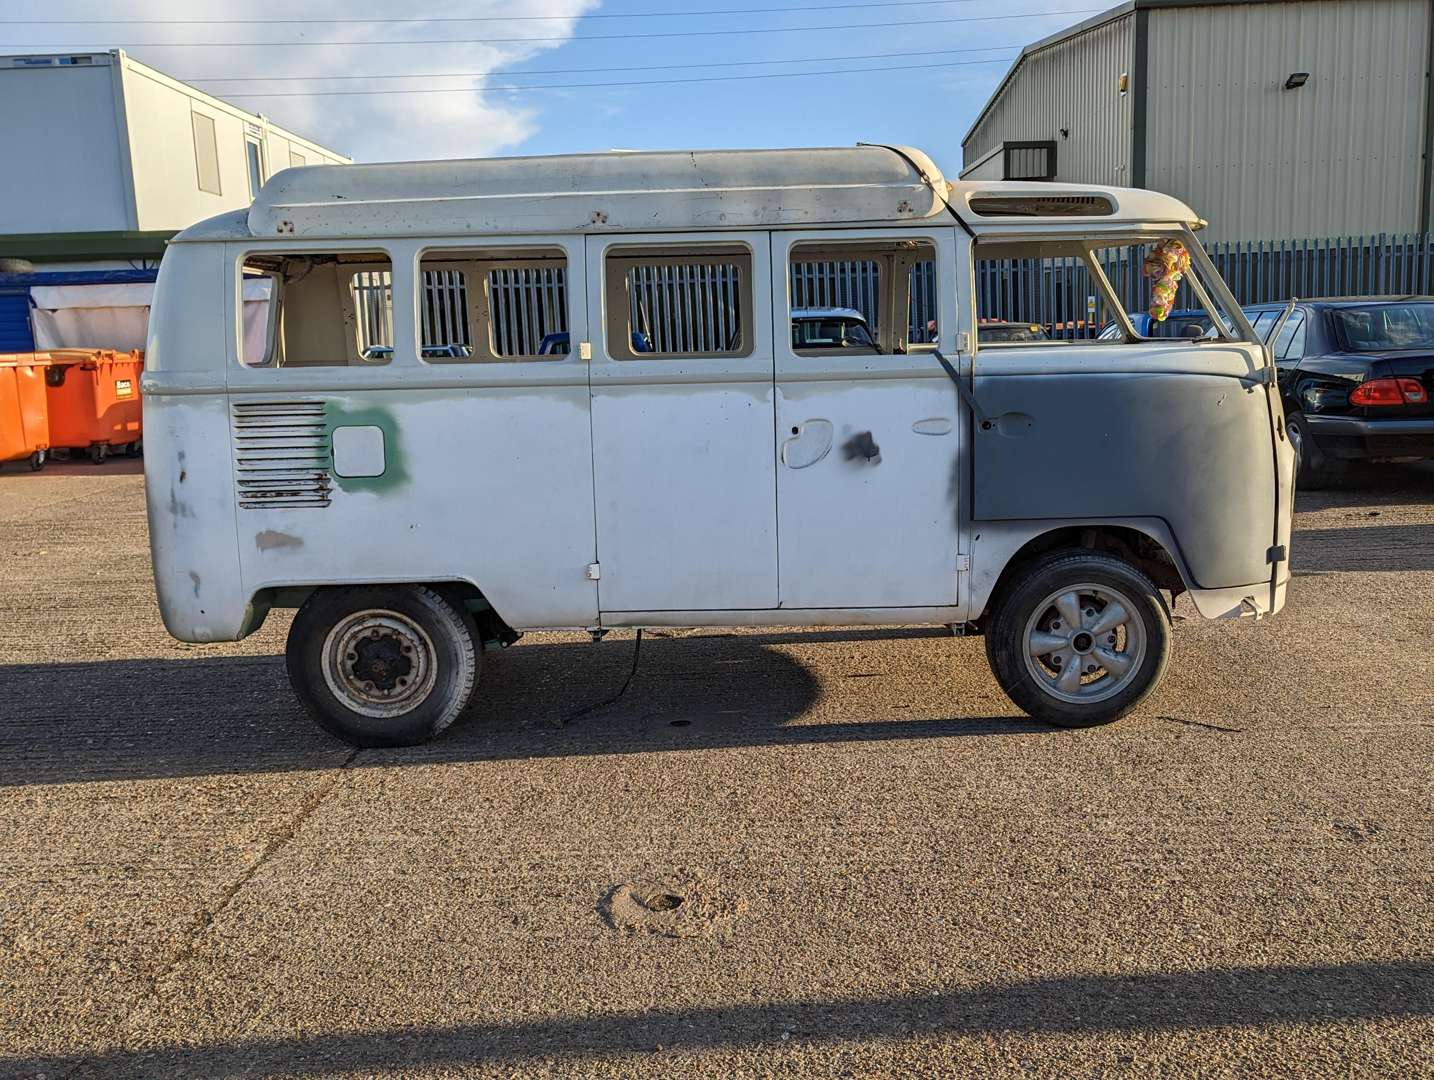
389, 665
1081, 640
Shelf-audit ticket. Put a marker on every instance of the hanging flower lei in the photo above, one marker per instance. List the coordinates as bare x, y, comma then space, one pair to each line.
1167, 263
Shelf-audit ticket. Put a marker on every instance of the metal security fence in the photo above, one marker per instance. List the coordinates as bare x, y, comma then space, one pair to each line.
696, 307
526, 304
1060, 295
686, 307
852, 283
443, 315
857, 284
373, 307
1260, 272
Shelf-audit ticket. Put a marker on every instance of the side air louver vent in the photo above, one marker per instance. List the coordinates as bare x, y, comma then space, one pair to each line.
281, 454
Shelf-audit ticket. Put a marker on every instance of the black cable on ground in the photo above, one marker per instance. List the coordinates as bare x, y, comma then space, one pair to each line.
632, 674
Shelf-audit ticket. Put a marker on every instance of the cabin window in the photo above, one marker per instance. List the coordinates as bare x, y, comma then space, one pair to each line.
679, 302
316, 309
1065, 291
496, 304
862, 299
206, 153
254, 158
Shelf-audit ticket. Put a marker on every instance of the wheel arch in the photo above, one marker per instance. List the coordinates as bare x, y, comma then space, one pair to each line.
492, 627
1001, 549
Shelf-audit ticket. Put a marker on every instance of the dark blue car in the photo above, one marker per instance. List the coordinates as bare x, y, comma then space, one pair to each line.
559, 343
1356, 375
1179, 324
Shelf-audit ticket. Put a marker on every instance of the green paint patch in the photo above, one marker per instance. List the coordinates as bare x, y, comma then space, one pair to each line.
395, 474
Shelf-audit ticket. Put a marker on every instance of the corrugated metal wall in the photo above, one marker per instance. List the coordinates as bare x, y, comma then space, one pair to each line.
1075, 85
15, 333
1341, 155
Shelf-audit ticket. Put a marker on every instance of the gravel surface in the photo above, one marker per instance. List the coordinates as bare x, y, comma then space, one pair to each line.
829, 852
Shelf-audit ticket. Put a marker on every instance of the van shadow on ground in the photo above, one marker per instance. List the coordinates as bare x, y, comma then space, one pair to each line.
1362, 548
149, 719
1322, 997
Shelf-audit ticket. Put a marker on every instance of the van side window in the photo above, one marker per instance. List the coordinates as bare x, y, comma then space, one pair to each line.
488, 305
862, 298
687, 302
1060, 291
316, 309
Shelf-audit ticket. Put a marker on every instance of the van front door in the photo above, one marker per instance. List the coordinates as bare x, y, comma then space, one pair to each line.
869, 437
682, 414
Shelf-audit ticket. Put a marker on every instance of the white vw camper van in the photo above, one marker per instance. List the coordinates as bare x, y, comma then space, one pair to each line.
434, 405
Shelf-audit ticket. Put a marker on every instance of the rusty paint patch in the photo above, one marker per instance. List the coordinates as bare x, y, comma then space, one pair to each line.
272, 540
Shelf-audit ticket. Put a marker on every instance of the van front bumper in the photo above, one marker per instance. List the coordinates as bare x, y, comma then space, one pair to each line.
1243, 602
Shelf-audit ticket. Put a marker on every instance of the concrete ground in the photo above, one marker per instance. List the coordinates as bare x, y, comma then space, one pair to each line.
881, 869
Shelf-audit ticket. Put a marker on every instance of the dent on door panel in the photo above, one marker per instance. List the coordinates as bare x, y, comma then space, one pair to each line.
1192, 449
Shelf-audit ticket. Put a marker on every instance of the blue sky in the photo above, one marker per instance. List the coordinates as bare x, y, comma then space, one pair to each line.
915, 88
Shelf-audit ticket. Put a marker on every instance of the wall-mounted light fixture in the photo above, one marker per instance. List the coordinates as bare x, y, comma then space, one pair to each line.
1124, 82
1298, 79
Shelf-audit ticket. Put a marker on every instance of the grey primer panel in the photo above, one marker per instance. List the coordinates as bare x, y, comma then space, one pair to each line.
1194, 450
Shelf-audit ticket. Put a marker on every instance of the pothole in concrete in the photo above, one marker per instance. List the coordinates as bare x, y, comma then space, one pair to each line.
673, 908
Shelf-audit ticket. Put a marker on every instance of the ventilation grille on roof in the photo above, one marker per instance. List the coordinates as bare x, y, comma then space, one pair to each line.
281, 454
1041, 205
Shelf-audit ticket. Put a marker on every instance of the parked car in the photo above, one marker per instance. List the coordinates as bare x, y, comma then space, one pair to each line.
1179, 324
1356, 375
430, 352
1006, 333
558, 344
831, 328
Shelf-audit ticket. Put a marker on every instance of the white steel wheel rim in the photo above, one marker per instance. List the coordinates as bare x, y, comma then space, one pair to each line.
379, 664
1084, 643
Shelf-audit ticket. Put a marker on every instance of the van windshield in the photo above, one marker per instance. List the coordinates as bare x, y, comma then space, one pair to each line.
1386, 327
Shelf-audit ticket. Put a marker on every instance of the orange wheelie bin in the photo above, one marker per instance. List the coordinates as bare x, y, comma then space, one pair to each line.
24, 417
94, 400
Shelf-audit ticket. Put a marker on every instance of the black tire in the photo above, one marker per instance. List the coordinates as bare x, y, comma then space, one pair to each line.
1314, 470
38, 459
1031, 685
98, 452
400, 631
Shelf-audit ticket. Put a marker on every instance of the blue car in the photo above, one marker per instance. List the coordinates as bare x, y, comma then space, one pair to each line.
558, 344
1181, 324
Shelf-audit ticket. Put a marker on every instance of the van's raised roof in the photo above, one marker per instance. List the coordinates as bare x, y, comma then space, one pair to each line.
660, 191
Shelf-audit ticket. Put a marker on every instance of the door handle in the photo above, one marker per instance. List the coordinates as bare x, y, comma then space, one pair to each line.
810, 442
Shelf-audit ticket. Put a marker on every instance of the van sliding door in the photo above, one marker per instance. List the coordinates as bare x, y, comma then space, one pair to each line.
682, 421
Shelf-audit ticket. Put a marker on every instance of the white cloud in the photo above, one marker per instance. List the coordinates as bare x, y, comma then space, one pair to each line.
369, 128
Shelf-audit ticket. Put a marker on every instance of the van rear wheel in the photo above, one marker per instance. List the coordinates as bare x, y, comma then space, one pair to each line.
389, 665
1081, 640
